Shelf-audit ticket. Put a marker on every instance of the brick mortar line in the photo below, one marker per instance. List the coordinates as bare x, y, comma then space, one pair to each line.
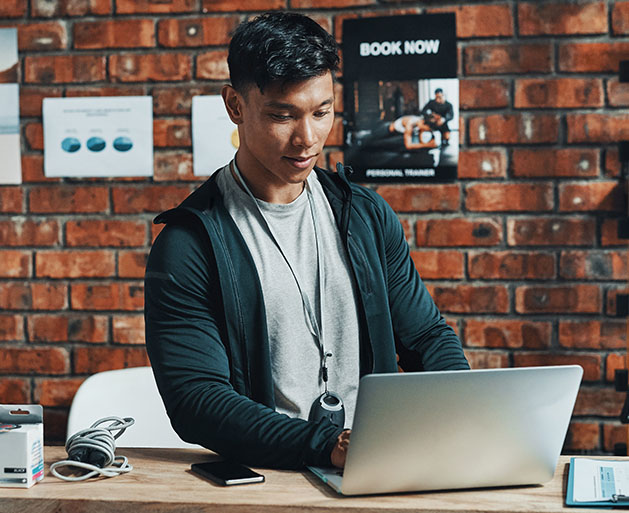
320, 11
194, 50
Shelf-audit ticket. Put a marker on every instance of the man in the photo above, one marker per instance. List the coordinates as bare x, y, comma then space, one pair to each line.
412, 128
404, 133
270, 281
437, 113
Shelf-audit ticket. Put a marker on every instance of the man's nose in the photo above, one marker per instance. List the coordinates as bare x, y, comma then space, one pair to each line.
304, 134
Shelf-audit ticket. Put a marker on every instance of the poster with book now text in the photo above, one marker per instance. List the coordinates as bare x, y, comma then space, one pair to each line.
401, 98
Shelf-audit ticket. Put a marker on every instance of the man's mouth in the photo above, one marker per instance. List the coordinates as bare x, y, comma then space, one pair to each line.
300, 162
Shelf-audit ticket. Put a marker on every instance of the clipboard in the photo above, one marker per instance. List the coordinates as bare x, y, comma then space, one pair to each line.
621, 501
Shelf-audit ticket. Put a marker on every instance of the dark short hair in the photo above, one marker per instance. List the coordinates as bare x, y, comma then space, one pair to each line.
280, 47
438, 90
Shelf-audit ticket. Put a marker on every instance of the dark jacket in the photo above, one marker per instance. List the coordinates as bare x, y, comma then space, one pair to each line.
206, 330
444, 109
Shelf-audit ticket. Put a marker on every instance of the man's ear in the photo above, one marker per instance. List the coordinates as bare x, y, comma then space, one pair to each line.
233, 103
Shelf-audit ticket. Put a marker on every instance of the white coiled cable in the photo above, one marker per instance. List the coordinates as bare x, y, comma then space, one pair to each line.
92, 449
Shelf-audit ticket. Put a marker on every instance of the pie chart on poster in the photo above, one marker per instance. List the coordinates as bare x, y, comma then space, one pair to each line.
123, 143
70, 144
95, 144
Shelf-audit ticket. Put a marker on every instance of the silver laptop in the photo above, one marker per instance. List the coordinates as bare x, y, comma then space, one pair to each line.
456, 429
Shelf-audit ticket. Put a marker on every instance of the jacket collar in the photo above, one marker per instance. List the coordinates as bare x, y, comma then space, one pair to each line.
335, 185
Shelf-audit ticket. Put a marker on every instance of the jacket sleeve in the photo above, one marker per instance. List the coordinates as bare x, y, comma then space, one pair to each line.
450, 113
417, 322
186, 345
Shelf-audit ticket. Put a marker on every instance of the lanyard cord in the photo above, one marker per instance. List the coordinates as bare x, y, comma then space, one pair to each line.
309, 313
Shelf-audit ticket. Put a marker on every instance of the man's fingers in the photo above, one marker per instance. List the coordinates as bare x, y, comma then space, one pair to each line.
339, 453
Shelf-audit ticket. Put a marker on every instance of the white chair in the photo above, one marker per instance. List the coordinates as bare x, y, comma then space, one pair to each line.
125, 393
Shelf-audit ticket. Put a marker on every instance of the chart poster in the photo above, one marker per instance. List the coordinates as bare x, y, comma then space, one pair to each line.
11, 167
8, 56
214, 136
98, 136
401, 98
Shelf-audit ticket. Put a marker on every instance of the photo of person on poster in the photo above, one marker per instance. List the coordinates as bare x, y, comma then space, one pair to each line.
415, 126
437, 113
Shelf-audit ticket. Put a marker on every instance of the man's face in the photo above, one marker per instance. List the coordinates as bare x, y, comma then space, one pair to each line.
439, 98
282, 131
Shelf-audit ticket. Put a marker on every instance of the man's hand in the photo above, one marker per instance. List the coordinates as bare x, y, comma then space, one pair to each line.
339, 453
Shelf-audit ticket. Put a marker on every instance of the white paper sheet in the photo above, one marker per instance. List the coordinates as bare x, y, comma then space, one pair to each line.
8, 56
98, 136
214, 136
10, 155
598, 480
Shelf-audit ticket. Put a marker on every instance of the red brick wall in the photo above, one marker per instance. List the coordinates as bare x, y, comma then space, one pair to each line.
520, 254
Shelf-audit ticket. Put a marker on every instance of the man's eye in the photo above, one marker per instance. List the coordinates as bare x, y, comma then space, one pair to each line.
321, 113
279, 117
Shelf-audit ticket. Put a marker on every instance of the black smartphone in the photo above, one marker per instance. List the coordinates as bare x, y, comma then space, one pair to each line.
227, 473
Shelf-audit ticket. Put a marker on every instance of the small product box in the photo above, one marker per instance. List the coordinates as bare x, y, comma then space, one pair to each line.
21, 445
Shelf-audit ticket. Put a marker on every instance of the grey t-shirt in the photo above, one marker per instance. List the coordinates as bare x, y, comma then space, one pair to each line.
295, 352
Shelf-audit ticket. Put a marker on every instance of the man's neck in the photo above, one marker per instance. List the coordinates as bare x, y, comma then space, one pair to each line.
268, 191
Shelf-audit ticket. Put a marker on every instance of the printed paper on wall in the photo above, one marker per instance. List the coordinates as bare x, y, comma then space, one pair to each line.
11, 168
401, 98
8, 56
214, 136
98, 136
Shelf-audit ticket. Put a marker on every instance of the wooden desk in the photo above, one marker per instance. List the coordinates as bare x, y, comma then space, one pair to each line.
162, 482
